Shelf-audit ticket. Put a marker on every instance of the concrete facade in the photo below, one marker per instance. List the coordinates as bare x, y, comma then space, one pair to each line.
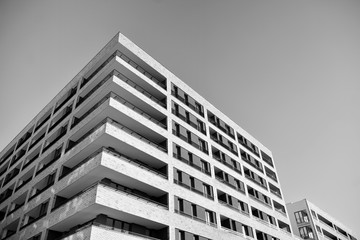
128, 151
310, 222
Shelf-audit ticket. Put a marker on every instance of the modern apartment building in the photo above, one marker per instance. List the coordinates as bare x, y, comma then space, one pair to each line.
310, 222
128, 151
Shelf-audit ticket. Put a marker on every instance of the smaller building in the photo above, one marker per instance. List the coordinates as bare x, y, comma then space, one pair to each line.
310, 222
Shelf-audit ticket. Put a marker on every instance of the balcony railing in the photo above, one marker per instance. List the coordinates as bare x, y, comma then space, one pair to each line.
37, 141
113, 186
229, 184
93, 222
265, 222
227, 164
131, 63
141, 70
191, 164
193, 189
15, 209
138, 110
30, 161
140, 89
33, 220
118, 155
45, 166
234, 208
195, 218
122, 101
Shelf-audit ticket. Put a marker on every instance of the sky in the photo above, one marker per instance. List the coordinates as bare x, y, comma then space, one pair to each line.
288, 72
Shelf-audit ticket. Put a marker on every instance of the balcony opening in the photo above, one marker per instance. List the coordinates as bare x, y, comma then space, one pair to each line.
263, 217
251, 160
60, 117
37, 237
10, 229
3, 169
142, 133
341, 231
18, 155
248, 145
153, 165
24, 138
140, 85
38, 137
17, 203
188, 117
193, 184
43, 120
150, 195
137, 64
50, 141
324, 220
279, 207
143, 68
235, 226
189, 137
42, 185
49, 159
31, 158
307, 233
7, 193
271, 174
275, 190
255, 178
264, 236
13, 173
3, 213
284, 226
233, 202
258, 196
67, 96
24, 179
267, 158
143, 229
188, 100
229, 180
7, 154
35, 214
301, 216
195, 212
220, 124
191, 159
223, 141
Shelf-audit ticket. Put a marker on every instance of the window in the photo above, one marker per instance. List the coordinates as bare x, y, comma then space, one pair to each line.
189, 137
187, 117
306, 232
313, 214
191, 159
221, 124
301, 217
248, 145
185, 98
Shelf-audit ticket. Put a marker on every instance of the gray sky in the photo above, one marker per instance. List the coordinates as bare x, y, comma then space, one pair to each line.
288, 72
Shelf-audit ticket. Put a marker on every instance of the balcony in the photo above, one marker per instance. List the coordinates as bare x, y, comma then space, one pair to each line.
99, 198
76, 139
100, 226
73, 164
193, 189
112, 86
233, 208
117, 67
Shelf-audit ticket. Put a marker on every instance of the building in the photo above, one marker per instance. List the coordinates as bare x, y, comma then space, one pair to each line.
128, 151
310, 222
